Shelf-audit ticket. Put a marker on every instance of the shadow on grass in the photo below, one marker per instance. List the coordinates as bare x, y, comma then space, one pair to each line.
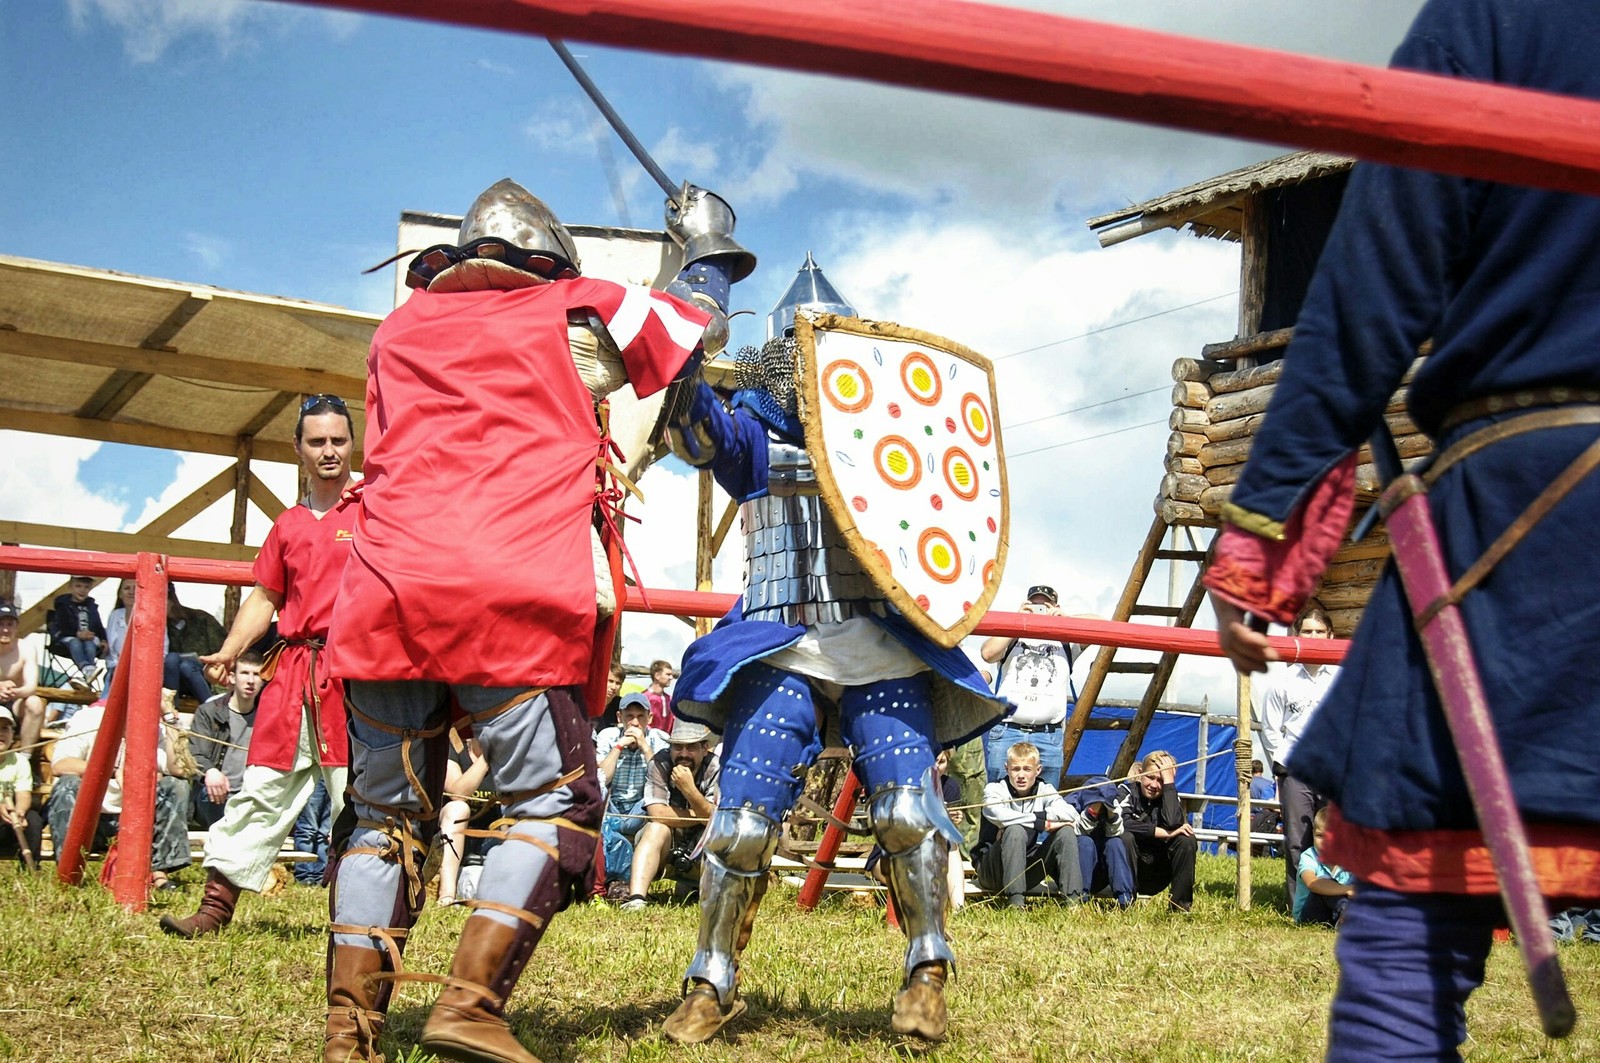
564, 1039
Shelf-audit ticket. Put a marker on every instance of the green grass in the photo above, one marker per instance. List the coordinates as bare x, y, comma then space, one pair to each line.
82, 980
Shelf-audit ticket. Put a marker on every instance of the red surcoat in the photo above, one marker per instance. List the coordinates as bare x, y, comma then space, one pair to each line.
472, 562
303, 560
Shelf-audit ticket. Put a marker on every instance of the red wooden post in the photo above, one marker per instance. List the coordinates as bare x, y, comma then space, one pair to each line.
828, 848
130, 882
1042, 60
92, 788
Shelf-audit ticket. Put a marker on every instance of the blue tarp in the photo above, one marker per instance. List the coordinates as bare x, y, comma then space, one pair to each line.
1180, 736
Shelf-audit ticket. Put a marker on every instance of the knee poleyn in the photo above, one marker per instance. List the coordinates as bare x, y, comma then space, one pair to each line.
741, 839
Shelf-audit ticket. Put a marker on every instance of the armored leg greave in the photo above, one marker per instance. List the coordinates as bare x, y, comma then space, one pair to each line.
737, 851
916, 847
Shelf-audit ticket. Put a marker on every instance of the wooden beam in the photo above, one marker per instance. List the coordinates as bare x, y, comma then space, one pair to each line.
265, 500
268, 411
184, 364
179, 514
723, 526
119, 542
140, 435
704, 551
116, 392
1253, 264
241, 510
163, 334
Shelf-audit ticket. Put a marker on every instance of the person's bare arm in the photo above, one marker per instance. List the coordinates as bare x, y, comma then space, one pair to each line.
251, 622
1326, 887
471, 778
995, 647
69, 766
1247, 648
30, 679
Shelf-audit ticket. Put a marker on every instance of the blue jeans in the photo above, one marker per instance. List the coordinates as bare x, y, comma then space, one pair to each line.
169, 843
617, 832
84, 652
186, 675
1104, 862
310, 835
1002, 736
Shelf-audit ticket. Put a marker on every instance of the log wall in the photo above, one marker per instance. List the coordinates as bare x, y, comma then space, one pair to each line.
1217, 409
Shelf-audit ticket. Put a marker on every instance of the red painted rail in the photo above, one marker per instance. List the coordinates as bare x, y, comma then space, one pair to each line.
1027, 57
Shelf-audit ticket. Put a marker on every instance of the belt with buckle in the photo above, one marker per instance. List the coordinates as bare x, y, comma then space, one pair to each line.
1035, 728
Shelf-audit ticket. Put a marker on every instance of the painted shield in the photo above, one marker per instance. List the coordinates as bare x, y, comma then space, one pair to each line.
902, 430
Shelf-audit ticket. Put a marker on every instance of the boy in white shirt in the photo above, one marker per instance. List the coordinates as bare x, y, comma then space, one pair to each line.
1021, 838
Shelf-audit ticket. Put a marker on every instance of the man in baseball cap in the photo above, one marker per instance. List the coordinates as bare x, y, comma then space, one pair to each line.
680, 792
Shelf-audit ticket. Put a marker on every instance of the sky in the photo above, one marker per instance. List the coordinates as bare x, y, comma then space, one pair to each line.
270, 148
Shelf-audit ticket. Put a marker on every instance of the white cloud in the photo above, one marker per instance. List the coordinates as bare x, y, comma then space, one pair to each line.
150, 27
560, 124
212, 251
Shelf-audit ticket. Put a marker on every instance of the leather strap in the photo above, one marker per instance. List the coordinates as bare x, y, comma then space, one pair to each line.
1526, 399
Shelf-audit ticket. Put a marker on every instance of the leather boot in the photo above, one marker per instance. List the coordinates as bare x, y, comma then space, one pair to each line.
216, 910
468, 1024
356, 1007
919, 1005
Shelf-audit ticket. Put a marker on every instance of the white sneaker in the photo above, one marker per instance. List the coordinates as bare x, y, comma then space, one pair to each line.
633, 904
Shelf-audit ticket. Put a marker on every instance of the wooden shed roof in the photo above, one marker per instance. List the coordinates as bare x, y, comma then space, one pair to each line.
96, 354
1214, 207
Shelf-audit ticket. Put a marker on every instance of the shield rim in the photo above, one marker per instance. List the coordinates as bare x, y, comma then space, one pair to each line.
806, 328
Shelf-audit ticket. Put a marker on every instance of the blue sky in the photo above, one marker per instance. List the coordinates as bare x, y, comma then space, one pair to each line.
270, 148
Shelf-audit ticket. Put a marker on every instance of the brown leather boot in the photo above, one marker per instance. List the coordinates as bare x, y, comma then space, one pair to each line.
700, 1016
216, 910
919, 1005
468, 1024
355, 1006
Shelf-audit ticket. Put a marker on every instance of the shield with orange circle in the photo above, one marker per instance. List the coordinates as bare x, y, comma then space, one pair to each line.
902, 430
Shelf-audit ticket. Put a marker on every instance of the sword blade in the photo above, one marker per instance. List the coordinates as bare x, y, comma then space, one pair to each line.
1420, 560
610, 114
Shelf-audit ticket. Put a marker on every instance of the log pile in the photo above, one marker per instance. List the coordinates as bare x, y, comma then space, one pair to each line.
1216, 410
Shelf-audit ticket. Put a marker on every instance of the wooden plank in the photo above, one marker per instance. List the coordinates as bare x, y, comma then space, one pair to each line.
187, 364
703, 554
265, 500
1187, 419
1187, 444
119, 542
723, 526
1239, 403
1253, 263
116, 392
241, 509
187, 309
1190, 393
179, 514
140, 435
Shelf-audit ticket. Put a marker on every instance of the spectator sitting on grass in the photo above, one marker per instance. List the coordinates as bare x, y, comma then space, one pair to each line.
169, 843
1321, 890
680, 791
1161, 843
1102, 854
1027, 833
21, 825
624, 754
222, 728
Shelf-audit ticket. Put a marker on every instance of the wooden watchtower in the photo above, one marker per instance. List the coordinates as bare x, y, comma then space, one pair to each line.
1280, 212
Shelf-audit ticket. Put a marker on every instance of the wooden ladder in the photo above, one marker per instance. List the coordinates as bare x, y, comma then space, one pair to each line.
1157, 673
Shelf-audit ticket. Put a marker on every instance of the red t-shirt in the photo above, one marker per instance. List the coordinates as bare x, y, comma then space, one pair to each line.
472, 561
303, 560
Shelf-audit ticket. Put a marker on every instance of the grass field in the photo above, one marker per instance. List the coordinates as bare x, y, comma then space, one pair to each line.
82, 980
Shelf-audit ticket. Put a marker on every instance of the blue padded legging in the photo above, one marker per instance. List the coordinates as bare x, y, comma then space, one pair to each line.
773, 735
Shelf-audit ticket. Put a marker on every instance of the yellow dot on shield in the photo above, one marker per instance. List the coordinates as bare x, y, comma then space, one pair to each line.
941, 556
920, 379
898, 462
848, 387
963, 474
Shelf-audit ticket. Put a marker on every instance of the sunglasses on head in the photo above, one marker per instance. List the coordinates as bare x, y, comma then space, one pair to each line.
313, 401
435, 260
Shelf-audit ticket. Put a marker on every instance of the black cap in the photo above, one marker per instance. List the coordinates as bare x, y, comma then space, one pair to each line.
1043, 591
9, 609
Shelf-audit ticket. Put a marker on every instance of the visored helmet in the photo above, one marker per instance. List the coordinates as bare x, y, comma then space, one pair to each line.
509, 224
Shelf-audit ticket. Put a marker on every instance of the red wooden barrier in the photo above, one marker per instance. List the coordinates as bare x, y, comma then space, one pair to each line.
1027, 57
828, 847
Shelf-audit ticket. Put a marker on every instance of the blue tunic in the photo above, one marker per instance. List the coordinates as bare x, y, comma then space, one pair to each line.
1507, 282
